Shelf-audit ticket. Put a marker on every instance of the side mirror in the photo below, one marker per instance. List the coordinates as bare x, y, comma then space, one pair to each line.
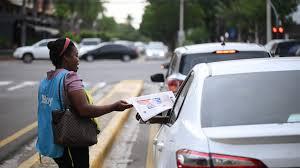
165, 65
158, 78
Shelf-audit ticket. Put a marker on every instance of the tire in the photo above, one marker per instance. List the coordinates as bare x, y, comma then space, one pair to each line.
27, 58
89, 58
126, 58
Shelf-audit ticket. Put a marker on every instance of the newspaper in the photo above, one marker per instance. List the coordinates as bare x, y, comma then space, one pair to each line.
149, 106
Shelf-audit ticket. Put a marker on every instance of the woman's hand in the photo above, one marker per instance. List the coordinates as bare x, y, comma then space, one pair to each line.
121, 105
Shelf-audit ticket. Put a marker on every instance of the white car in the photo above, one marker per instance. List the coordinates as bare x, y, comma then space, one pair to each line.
184, 58
88, 44
156, 50
241, 113
39, 50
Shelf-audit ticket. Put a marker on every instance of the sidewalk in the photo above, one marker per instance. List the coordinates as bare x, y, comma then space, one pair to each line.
109, 126
6, 55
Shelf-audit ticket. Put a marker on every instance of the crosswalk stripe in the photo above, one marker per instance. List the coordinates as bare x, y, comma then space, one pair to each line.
3, 83
88, 85
23, 84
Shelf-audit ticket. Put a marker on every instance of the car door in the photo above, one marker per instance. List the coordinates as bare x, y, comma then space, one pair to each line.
41, 50
103, 52
164, 140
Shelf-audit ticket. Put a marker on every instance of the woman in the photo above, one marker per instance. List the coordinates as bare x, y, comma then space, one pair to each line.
64, 57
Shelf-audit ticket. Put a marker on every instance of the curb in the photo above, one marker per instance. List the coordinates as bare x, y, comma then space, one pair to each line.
109, 134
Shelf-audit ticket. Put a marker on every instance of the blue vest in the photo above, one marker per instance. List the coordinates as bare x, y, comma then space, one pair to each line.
48, 100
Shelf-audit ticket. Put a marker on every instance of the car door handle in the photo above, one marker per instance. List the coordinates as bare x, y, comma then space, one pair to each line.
160, 146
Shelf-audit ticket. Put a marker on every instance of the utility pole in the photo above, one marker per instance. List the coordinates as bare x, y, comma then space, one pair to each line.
268, 19
181, 36
23, 27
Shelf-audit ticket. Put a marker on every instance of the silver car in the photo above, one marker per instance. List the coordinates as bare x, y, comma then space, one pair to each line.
241, 113
184, 58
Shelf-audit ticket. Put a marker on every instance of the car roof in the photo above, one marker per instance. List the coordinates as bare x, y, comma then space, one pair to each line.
251, 65
212, 47
90, 39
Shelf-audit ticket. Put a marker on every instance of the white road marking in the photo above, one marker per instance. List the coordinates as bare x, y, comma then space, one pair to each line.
3, 83
23, 84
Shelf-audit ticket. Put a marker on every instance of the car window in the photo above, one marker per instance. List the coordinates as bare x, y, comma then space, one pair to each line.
172, 65
283, 48
43, 44
105, 48
120, 47
180, 97
190, 60
89, 43
246, 99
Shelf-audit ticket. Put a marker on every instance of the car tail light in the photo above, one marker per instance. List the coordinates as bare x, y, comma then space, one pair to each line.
193, 159
174, 84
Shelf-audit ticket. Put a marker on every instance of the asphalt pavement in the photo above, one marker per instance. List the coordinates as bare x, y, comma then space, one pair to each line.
18, 88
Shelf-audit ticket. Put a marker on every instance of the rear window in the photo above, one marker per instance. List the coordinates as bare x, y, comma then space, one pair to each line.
253, 98
89, 43
190, 60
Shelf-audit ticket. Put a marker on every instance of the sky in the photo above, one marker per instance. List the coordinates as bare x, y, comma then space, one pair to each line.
119, 9
296, 15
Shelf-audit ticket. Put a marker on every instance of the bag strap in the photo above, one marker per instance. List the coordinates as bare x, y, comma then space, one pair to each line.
64, 102
60, 95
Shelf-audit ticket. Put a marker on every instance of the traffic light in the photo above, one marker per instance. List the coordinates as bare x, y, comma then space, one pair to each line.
278, 32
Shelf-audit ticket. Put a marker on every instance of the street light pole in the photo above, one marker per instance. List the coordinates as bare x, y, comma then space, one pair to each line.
269, 24
268, 19
181, 36
23, 27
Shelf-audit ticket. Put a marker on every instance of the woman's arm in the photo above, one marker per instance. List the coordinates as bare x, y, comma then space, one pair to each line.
80, 104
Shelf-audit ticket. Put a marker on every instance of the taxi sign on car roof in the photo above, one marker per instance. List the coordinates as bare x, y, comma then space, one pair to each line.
226, 51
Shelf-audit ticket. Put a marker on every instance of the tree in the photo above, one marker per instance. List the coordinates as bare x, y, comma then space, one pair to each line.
83, 12
160, 21
129, 19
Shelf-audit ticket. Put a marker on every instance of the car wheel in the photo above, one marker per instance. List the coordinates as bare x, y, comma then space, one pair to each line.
89, 58
126, 58
27, 58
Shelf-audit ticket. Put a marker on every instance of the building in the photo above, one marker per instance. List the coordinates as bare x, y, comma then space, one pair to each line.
37, 17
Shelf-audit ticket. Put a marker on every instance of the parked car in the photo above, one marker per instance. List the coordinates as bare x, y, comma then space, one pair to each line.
88, 44
156, 50
111, 51
184, 58
140, 46
239, 113
282, 47
38, 50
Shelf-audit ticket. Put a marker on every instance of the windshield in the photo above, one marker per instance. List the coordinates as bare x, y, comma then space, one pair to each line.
253, 98
89, 43
190, 60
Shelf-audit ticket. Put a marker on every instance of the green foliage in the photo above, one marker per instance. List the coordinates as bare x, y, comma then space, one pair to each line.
62, 10
72, 36
87, 10
207, 20
197, 35
107, 24
161, 20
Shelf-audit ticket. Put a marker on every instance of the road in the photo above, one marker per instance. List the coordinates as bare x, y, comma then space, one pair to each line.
19, 85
